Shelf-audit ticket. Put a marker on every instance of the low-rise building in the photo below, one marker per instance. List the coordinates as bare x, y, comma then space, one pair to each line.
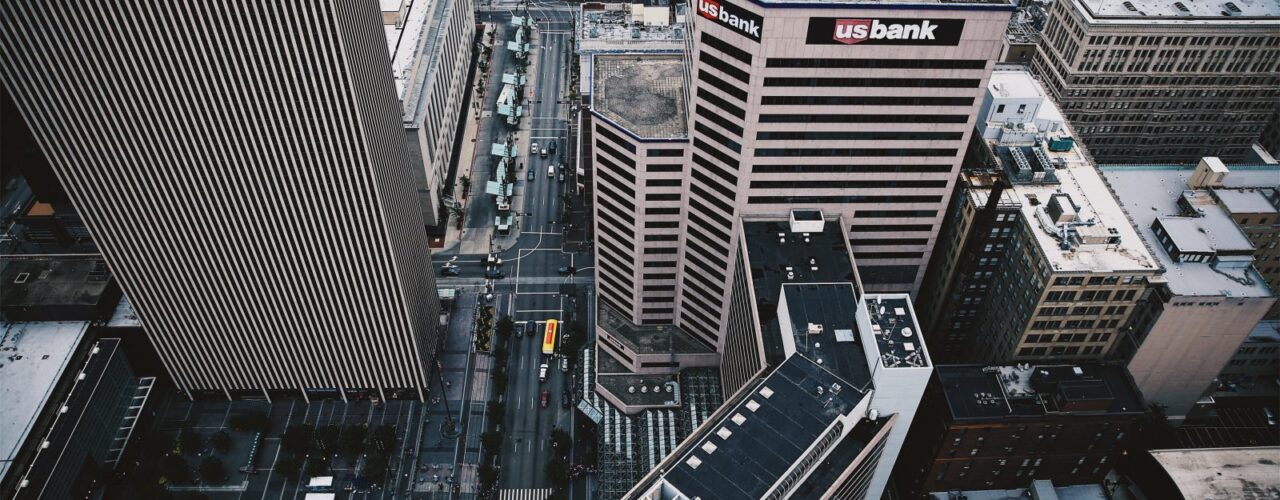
1255, 367
1209, 296
37, 288
1211, 473
998, 427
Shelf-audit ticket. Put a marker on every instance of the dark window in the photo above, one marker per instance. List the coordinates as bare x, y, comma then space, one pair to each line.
878, 214
845, 184
718, 137
889, 241
664, 168
803, 167
872, 82
660, 250
728, 88
661, 237
727, 48
662, 182
631, 164
720, 171
664, 152
718, 120
661, 224
888, 255
820, 100
702, 146
720, 188
874, 228
662, 197
842, 118
858, 136
615, 138
841, 199
727, 68
658, 310
662, 210
710, 97
887, 274
659, 276
877, 63
810, 152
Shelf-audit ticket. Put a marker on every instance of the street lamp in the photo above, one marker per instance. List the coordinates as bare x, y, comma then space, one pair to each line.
449, 430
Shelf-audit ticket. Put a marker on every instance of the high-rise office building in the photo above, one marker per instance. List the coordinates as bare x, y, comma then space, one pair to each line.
1052, 269
855, 110
245, 174
1153, 82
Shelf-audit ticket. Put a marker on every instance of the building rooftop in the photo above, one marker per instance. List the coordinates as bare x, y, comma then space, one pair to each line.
415, 47
975, 392
33, 357
615, 26
648, 339
820, 325
1223, 472
124, 315
53, 282
643, 94
1184, 10
1160, 192
642, 390
899, 343
778, 255
768, 429
1249, 200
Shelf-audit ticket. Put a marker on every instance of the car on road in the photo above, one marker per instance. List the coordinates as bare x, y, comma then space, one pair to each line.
565, 400
542, 373
533, 148
551, 171
543, 153
561, 176
520, 330
567, 270
531, 174
552, 147
564, 364
546, 397
532, 327
494, 274
450, 270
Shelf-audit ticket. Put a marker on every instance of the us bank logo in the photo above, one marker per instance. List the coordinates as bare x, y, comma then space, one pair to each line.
731, 16
883, 31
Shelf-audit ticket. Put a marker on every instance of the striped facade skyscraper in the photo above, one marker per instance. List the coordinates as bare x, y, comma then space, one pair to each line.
243, 169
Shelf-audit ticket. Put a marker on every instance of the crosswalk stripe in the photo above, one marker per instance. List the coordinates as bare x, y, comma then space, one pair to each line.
525, 494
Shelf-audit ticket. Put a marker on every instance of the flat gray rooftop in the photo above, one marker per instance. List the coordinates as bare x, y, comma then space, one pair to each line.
1223, 472
642, 390
643, 93
1184, 9
53, 282
1249, 200
649, 339
33, 357
1150, 192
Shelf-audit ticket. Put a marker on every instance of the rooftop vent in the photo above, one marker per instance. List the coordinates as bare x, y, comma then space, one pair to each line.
693, 462
1129, 5
753, 405
709, 447
738, 418
766, 392
806, 221
815, 329
724, 433
1232, 7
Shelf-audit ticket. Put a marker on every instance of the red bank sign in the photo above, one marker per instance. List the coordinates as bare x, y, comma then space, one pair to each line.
884, 31
731, 16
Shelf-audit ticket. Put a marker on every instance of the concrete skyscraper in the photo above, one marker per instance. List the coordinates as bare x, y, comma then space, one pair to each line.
244, 172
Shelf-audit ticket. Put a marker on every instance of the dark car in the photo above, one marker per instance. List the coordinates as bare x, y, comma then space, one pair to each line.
552, 148
531, 176
449, 270
567, 270
494, 274
546, 398
564, 400
531, 327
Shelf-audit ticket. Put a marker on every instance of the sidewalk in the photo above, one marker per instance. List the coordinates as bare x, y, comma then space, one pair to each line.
467, 155
523, 133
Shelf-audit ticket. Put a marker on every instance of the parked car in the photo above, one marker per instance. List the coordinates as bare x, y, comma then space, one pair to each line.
533, 149
494, 274
565, 399
564, 364
567, 270
450, 270
546, 397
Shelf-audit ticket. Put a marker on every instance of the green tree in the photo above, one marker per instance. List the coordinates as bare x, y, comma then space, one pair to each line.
190, 441
318, 465
375, 468
288, 467
558, 473
176, 469
297, 439
353, 437
497, 410
220, 441
505, 327
487, 474
574, 340
561, 441
384, 437
327, 438
211, 470
491, 440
